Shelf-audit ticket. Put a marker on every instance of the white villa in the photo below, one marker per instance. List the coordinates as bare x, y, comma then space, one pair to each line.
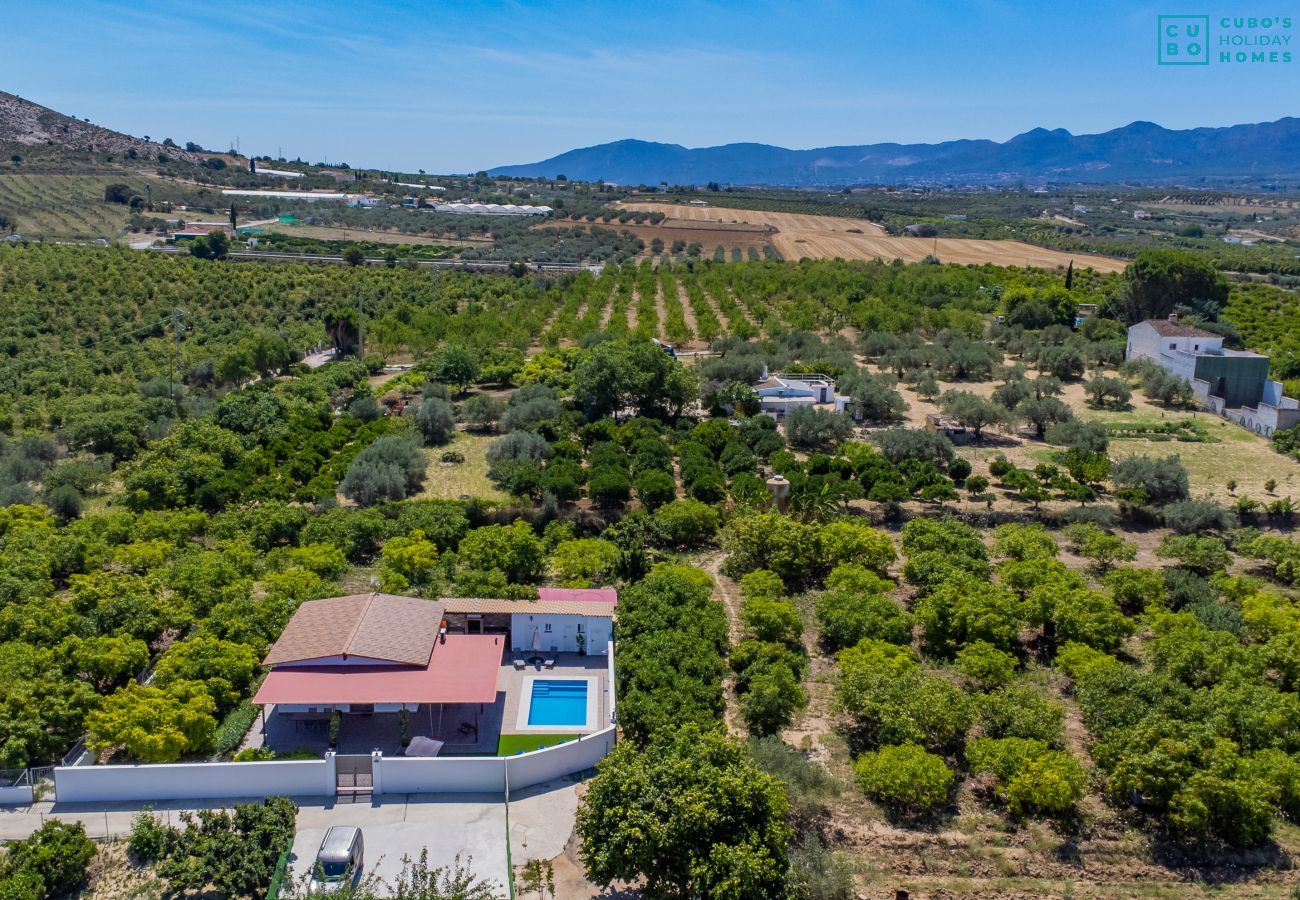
779, 393
1232, 383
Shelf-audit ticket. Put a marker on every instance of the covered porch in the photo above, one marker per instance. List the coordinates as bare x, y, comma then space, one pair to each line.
453, 701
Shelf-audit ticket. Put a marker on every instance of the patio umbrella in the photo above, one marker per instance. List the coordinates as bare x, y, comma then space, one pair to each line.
537, 640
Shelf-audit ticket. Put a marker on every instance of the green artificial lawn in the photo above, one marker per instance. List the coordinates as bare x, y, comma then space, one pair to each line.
510, 744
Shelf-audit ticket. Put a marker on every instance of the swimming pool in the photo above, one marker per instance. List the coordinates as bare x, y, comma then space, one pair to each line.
558, 702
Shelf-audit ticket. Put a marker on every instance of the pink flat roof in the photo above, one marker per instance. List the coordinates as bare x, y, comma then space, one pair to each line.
464, 669
588, 595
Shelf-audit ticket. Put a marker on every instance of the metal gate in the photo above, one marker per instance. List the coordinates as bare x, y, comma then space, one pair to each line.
354, 775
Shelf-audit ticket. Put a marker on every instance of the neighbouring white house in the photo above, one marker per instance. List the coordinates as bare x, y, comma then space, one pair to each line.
560, 620
1232, 383
781, 392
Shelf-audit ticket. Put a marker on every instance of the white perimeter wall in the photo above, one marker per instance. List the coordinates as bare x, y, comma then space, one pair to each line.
16, 796
195, 781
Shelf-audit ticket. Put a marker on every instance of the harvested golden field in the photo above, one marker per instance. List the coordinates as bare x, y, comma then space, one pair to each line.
827, 237
708, 235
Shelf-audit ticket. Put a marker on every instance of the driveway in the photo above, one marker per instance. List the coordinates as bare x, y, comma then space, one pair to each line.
395, 826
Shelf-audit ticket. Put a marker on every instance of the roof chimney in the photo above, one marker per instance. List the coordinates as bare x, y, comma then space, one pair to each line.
763, 376
1173, 317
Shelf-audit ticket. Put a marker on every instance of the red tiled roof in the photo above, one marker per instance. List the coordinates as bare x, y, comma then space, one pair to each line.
377, 626
462, 669
589, 595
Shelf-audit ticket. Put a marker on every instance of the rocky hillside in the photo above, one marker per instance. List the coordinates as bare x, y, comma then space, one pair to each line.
25, 122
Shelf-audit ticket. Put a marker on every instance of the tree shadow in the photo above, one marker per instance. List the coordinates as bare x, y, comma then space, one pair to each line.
1217, 864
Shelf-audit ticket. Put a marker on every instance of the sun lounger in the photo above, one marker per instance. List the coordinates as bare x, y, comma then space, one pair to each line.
519, 664
549, 663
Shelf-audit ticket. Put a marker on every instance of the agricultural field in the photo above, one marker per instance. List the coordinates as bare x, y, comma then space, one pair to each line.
70, 207
827, 237
924, 674
378, 236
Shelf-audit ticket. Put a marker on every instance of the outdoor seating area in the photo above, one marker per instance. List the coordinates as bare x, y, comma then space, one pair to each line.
461, 729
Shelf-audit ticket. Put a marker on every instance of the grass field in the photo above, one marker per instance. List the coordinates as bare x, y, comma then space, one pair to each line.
70, 207
1235, 454
445, 481
827, 237
342, 233
510, 744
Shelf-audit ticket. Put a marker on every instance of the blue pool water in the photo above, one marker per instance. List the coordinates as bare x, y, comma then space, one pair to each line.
556, 702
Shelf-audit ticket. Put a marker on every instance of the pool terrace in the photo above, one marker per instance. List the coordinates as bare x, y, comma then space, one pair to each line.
464, 729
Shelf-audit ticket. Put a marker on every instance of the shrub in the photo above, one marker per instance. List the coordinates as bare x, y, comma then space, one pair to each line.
771, 698
890, 701
1022, 712
899, 444
1157, 480
230, 733
818, 873
609, 486
391, 468
518, 445
1030, 777
436, 421
1201, 555
847, 541
813, 428
847, 617
1192, 516
684, 523
150, 839
655, 488
985, 666
761, 583
905, 778
771, 620
806, 782
50, 863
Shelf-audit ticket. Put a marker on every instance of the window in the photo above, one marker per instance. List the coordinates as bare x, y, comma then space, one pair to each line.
547, 629
1196, 346
1173, 346
579, 628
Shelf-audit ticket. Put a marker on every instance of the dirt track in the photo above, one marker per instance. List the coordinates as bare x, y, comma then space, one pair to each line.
826, 237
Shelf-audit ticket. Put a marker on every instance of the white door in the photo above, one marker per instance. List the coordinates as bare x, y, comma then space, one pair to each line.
570, 642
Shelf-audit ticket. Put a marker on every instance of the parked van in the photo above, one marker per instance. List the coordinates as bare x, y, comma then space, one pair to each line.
339, 860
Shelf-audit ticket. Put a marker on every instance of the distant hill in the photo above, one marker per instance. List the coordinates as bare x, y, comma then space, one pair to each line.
28, 123
1139, 152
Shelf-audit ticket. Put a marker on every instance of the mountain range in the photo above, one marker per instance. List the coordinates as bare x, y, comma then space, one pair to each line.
1139, 152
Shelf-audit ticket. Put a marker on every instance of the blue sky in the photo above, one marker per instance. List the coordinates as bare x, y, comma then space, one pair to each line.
453, 87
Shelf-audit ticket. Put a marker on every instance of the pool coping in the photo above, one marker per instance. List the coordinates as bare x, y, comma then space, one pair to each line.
526, 705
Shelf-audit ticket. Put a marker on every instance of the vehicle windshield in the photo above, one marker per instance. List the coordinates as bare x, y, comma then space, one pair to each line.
333, 870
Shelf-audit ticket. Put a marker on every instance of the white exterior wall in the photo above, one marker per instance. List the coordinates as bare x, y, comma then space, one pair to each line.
195, 781
16, 796
549, 763
1145, 343
563, 636
439, 775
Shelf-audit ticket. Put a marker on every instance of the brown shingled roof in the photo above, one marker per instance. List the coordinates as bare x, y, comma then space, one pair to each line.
1166, 328
376, 626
